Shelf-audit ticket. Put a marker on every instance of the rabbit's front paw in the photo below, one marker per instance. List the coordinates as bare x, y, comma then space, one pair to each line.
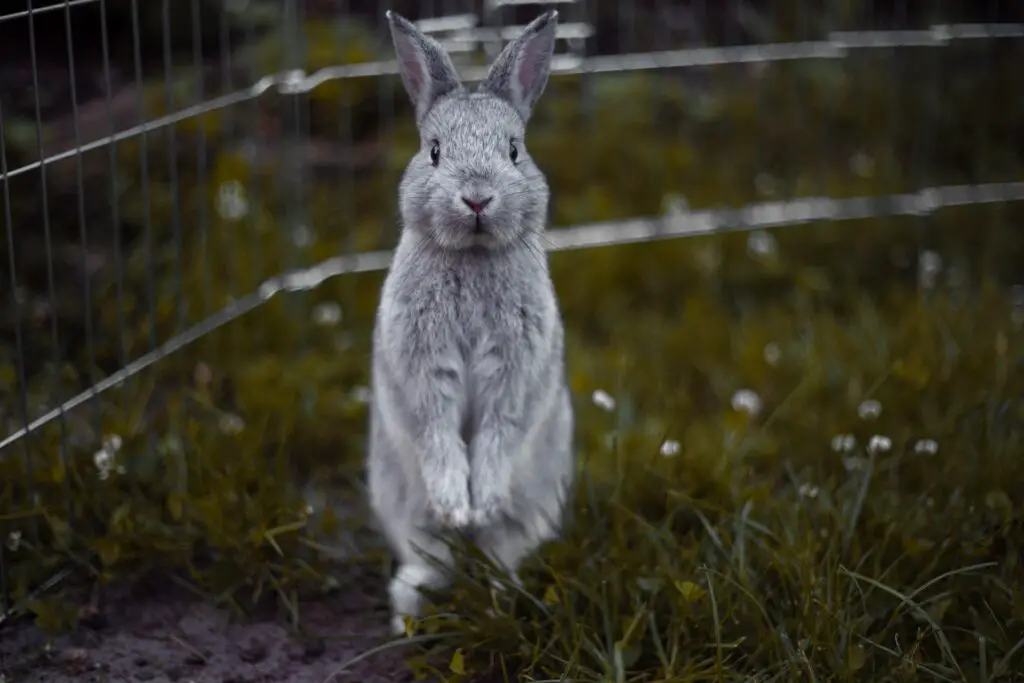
451, 512
448, 502
452, 517
490, 505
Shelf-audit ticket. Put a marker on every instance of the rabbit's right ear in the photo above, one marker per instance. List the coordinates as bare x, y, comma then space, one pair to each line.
520, 72
426, 69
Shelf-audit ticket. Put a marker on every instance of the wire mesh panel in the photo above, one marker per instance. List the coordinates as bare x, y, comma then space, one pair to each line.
200, 199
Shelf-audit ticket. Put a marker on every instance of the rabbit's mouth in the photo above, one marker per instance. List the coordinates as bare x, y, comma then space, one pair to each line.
464, 231
478, 231
481, 237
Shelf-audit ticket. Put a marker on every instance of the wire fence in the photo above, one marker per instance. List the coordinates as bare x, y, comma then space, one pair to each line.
837, 45
111, 120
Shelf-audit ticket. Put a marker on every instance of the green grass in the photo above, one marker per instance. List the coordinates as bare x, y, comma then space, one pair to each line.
707, 543
759, 551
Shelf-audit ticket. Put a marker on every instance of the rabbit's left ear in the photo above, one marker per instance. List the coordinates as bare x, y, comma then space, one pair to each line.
426, 69
520, 73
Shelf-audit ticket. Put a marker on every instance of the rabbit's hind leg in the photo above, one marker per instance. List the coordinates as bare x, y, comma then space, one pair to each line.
399, 505
508, 543
422, 561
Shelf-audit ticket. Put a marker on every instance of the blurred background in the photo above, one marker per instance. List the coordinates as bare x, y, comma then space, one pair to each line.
744, 192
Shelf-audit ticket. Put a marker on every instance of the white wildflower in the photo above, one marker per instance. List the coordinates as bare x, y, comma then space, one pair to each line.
869, 409
929, 265
708, 258
855, 463
862, 164
231, 424
809, 491
772, 354
675, 204
765, 184
879, 444
327, 314
761, 244
670, 448
747, 401
926, 447
104, 457
844, 443
361, 394
303, 236
232, 203
343, 341
603, 400
14, 541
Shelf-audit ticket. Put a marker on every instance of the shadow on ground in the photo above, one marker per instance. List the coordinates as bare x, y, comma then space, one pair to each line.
163, 634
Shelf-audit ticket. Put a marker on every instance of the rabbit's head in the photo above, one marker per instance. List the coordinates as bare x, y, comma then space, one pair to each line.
472, 183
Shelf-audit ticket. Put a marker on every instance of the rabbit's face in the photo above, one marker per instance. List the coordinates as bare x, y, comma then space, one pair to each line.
473, 183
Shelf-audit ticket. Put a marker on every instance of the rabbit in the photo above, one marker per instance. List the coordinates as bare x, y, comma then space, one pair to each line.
471, 421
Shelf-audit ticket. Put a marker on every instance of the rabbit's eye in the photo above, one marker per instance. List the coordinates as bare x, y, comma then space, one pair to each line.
513, 151
435, 154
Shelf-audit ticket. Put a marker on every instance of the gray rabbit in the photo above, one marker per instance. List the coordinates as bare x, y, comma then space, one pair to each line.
471, 422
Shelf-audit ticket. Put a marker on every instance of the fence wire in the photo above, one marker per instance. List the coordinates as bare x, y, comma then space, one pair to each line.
676, 221
837, 45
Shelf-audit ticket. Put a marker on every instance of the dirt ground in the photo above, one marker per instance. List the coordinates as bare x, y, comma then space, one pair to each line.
160, 635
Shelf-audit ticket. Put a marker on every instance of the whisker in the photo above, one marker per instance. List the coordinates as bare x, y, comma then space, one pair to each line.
533, 249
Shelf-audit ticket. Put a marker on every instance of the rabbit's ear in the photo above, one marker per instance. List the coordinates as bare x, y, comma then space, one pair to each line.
426, 69
520, 72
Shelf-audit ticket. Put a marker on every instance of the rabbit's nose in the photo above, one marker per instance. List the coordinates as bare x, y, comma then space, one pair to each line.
477, 205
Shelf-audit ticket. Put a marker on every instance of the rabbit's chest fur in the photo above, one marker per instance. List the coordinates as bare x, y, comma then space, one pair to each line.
468, 322
492, 314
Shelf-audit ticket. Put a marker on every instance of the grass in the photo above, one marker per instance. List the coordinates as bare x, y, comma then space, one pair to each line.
765, 548
799, 450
